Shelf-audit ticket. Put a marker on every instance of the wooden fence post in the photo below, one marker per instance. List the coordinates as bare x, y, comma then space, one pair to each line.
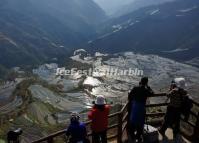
50, 140
196, 129
119, 137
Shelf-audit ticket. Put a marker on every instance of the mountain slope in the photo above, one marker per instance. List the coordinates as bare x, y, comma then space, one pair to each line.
32, 31
137, 4
170, 30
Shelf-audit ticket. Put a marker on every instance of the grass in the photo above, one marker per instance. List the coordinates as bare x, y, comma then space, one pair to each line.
51, 108
3, 130
2, 141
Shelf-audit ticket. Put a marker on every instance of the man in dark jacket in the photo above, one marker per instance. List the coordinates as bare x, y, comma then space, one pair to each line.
137, 110
174, 109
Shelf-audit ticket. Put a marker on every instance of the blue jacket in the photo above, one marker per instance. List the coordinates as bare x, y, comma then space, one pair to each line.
77, 132
137, 115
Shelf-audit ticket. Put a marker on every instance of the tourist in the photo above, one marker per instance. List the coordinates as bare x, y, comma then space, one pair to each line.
13, 136
137, 108
174, 110
76, 132
99, 117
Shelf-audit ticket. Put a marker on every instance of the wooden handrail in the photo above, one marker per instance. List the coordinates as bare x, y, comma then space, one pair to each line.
159, 95
196, 103
59, 133
122, 121
157, 105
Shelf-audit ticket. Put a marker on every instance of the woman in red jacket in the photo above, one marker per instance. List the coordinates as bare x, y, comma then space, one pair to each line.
99, 117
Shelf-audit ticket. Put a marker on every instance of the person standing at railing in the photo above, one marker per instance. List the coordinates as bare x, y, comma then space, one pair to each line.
177, 94
76, 132
13, 136
137, 108
99, 120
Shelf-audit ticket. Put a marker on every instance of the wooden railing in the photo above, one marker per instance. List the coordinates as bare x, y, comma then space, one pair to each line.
122, 122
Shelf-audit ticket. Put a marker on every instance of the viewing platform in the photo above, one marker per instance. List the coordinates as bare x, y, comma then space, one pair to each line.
117, 130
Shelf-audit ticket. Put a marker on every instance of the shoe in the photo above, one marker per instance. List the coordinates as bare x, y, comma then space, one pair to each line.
139, 140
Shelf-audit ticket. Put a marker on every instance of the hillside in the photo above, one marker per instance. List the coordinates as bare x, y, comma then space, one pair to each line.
169, 30
32, 31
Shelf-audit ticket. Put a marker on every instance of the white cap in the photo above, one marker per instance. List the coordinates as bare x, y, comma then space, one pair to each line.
100, 100
180, 82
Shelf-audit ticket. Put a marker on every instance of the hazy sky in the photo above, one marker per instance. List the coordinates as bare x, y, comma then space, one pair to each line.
110, 6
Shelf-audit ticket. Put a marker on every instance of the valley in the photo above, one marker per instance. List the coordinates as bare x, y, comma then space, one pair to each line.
57, 57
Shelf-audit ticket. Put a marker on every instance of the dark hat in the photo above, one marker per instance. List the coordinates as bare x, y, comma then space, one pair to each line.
74, 117
144, 81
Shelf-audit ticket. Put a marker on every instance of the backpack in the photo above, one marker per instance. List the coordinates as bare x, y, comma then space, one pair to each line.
186, 107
